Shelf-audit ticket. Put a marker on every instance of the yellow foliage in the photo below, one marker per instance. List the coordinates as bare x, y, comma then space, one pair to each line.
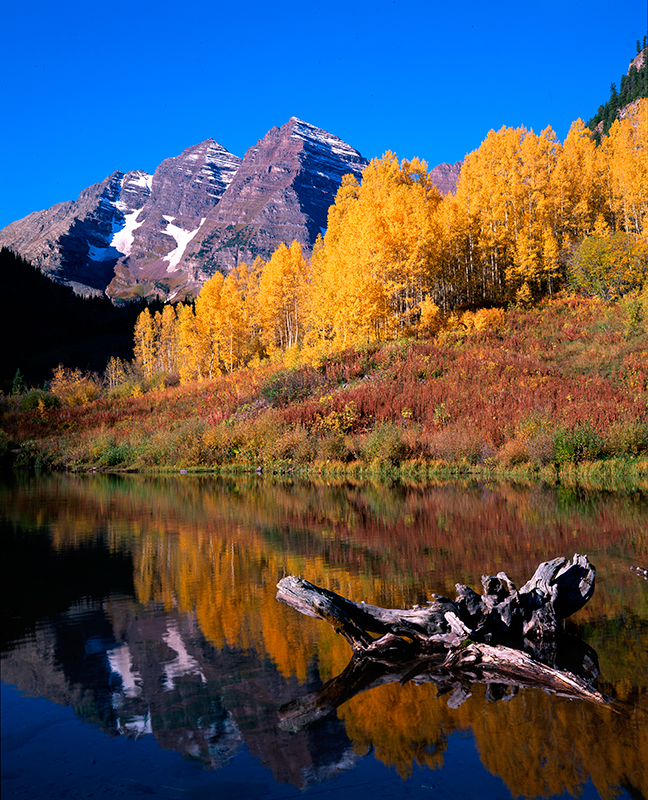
430, 319
529, 213
467, 320
281, 297
145, 344
373, 268
74, 387
523, 296
489, 318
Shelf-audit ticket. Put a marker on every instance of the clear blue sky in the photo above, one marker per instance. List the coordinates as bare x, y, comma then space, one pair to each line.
87, 88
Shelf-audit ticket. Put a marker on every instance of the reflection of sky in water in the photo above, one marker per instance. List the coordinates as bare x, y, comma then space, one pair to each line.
81, 760
75, 759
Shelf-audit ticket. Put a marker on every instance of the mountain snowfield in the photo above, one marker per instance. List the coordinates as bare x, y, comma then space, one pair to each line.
140, 235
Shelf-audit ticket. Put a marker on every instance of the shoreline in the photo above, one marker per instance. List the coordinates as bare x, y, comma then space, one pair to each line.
619, 475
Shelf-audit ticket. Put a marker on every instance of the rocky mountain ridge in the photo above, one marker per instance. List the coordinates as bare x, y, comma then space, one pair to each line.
634, 85
205, 210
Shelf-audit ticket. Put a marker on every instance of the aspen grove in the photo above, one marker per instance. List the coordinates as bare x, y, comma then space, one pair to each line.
530, 216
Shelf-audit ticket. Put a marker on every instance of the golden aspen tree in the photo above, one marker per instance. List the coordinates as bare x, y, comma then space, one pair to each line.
490, 197
209, 325
509, 221
145, 349
114, 374
282, 297
536, 164
443, 255
246, 279
550, 259
455, 244
325, 291
234, 325
626, 152
165, 337
575, 185
374, 268
191, 353
318, 325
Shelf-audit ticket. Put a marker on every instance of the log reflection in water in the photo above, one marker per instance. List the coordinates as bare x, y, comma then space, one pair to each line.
504, 670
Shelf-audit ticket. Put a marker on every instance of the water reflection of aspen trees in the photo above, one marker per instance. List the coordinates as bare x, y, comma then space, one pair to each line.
231, 585
541, 745
420, 537
411, 732
538, 744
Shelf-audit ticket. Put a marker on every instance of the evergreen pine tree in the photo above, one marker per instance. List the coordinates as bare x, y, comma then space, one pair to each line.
19, 386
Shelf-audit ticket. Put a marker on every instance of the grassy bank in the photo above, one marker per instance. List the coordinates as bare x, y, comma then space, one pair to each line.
557, 393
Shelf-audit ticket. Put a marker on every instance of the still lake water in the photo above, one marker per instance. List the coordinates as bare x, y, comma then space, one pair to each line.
144, 652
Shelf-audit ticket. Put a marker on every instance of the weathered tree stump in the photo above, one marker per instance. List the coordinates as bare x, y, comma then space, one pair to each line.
501, 614
453, 643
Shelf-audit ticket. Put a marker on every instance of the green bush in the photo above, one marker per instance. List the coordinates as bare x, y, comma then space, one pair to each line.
38, 398
116, 455
627, 438
577, 444
609, 266
129, 388
384, 446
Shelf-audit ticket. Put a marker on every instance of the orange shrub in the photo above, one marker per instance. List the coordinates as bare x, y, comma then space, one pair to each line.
73, 387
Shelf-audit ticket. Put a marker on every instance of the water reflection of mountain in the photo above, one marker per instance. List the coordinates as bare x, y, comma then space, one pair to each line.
133, 674
149, 605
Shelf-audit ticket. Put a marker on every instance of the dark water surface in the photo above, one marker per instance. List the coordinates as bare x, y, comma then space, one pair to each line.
144, 652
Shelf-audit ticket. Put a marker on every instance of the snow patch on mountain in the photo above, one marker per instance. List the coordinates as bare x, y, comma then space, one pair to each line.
322, 138
141, 179
182, 238
122, 239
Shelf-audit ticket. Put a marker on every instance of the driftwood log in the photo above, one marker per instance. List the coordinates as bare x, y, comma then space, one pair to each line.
501, 614
505, 637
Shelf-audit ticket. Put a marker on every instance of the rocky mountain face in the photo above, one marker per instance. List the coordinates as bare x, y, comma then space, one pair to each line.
184, 190
445, 176
281, 193
78, 243
136, 235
